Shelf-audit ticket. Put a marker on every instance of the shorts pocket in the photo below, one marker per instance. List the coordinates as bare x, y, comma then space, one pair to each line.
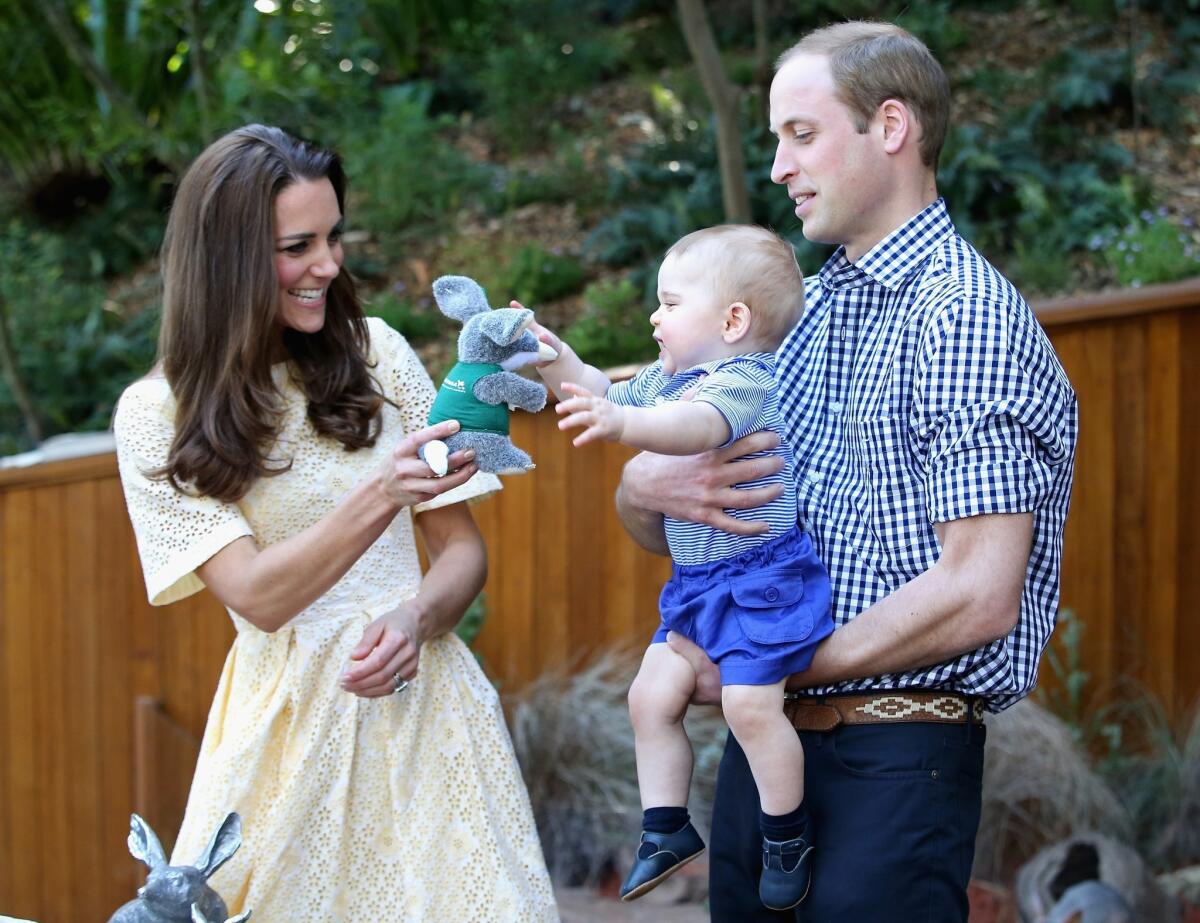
770, 605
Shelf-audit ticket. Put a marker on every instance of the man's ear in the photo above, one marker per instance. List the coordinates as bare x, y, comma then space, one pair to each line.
737, 322
898, 125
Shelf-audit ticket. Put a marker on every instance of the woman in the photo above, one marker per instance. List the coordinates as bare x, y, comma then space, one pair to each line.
272, 457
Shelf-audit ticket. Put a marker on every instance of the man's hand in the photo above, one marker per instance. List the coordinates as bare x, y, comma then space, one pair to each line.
600, 417
700, 488
708, 677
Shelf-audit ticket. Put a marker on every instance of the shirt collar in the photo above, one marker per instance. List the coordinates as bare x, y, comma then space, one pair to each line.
895, 257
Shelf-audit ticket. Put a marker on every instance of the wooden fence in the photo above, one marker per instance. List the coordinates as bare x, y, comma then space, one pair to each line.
103, 699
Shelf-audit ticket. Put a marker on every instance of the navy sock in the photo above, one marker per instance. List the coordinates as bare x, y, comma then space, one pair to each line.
781, 827
664, 820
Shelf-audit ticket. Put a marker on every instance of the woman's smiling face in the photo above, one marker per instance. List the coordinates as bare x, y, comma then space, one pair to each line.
308, 252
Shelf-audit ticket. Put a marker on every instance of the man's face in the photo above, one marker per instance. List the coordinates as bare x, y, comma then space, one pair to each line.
836, 176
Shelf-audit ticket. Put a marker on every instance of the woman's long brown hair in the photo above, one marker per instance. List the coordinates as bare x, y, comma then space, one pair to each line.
219, 326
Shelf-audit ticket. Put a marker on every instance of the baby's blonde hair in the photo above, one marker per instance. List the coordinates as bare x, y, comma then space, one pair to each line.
750, 264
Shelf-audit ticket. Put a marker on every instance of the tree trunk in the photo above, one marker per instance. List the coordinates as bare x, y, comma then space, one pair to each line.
762, 60
12, 372
724, 98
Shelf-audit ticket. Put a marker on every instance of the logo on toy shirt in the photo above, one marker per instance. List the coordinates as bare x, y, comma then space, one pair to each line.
457, 385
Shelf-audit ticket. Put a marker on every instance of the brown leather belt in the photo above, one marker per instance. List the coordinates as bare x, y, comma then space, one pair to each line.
824, 713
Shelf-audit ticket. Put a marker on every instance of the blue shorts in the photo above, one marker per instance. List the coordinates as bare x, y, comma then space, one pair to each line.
759, 615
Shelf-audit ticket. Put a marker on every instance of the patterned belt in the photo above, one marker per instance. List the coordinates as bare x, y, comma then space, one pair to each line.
825, 713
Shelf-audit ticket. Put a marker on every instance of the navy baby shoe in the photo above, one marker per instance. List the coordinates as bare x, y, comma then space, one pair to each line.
659, 855
787, 873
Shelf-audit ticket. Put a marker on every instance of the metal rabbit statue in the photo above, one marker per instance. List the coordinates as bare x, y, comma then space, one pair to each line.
198, 917
180, 893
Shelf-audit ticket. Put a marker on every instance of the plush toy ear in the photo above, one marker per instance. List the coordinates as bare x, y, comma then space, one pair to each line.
505, 325
459, 297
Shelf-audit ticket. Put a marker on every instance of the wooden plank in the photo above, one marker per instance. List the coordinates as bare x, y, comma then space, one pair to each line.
1127, 434
86, 468
22, 682
1088, 554
120, 644
51, 705
552, 603
1099, 308
1187, 575
78, 541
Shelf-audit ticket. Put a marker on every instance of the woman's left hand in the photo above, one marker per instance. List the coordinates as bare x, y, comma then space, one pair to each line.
391, 644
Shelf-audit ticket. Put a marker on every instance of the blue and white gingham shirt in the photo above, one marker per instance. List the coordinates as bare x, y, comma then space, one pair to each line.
742, 388
919, 388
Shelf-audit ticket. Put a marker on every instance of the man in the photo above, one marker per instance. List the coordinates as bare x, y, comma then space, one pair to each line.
934, 433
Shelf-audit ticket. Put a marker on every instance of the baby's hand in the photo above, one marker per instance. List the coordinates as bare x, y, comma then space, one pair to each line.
601, 418
543, 336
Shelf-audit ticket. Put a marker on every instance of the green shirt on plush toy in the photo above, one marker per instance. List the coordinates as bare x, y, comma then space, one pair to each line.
456, 400
481, 389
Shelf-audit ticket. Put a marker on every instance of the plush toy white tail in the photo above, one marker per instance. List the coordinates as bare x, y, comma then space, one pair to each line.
436, 455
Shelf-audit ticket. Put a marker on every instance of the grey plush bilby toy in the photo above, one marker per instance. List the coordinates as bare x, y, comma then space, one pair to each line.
481, 389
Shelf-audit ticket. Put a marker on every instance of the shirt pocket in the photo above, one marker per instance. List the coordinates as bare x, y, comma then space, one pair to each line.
768, 607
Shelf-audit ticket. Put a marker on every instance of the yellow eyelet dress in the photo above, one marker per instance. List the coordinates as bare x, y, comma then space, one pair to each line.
401, 809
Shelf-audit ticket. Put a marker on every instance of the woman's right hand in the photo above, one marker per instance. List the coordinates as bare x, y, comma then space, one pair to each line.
407, 480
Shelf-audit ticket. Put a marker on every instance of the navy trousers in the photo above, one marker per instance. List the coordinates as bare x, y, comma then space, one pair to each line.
894, 809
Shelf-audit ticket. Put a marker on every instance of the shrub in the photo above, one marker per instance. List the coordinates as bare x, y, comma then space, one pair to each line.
574, 742
75, 350
403, 170
534, 276
417, 322
613, 328
1151, 248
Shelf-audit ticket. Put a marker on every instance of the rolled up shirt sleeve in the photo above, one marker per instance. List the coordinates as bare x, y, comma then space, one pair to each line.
991, 431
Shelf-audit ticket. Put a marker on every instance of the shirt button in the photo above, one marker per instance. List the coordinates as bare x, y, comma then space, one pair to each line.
835, 406
771, 594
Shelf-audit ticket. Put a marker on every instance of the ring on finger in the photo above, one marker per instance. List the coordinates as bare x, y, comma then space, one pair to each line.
399, 683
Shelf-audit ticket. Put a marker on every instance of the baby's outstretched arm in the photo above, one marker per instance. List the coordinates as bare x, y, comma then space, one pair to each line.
674, 428
568, 366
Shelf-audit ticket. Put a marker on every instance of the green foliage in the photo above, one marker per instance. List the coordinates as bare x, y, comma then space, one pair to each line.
471, 623
402, 169
614, 327
522, 65
534, 276
419, 323
74, 350
1153, 767
1150, 248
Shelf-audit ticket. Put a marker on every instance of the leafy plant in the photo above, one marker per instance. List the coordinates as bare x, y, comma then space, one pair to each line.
418, 323
534, 276
403, 170
1150, 248
75, 351
613, 328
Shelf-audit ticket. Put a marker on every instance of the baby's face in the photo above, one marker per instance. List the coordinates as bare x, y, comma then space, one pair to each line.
690, 319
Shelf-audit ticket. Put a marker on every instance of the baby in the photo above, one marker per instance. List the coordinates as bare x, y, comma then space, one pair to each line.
758, 604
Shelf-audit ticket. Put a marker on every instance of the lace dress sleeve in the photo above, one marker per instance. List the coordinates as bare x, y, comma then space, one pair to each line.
405, 381
175, 532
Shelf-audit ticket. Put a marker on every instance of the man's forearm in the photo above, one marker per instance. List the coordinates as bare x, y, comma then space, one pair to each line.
969, 598
644, 526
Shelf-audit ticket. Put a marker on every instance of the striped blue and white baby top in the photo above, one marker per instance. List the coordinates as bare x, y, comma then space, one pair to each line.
918, 388
742, 388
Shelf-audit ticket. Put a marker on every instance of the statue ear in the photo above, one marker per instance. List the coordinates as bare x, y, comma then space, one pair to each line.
459, 297
144, 844
222, 846
738, 320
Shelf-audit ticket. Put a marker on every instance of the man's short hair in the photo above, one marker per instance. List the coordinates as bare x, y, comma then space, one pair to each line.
875, 61
750, 264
